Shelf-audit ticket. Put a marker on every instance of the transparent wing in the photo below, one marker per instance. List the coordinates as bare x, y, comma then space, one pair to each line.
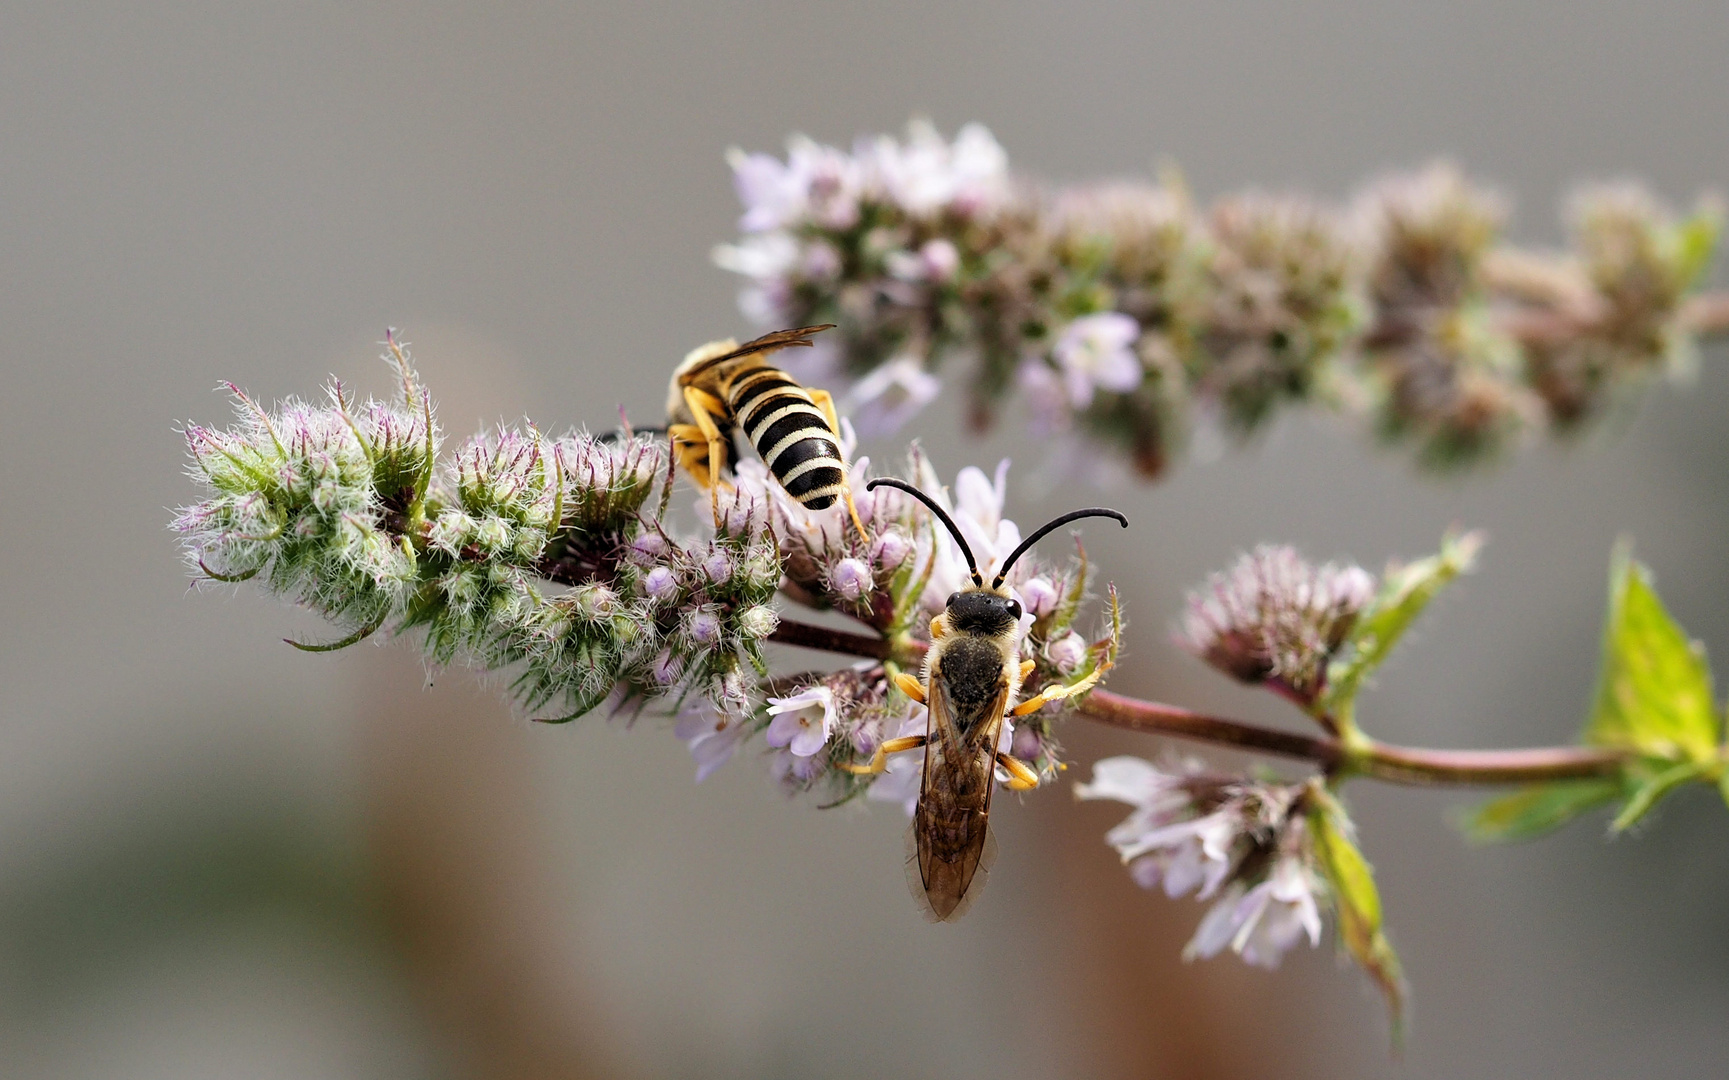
951, 822
768, 343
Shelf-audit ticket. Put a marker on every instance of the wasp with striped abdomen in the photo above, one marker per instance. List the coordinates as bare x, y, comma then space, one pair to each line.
971, 683
724, 386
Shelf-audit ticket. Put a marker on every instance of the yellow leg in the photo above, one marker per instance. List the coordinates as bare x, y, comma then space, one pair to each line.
1027, 668
1022, 777
1058, 693
939, 627
825, 402
704, 408
879, 760
910, 686
685, 439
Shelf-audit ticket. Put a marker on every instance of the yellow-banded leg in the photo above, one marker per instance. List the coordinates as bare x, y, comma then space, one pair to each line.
910, 687
879, 760
1058, 693
824, 401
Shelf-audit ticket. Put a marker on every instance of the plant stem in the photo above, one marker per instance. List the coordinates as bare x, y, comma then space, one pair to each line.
1394, 764
837, 641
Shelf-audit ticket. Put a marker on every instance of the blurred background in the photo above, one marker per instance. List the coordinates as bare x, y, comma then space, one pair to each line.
221, 857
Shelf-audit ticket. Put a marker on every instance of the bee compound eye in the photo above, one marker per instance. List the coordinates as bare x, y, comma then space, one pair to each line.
1015, 609
951, 601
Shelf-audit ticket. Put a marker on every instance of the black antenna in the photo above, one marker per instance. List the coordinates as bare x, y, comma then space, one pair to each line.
1073, 515
942, 515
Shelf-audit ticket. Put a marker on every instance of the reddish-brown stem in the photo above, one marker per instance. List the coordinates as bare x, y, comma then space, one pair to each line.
1158, 719
836, 641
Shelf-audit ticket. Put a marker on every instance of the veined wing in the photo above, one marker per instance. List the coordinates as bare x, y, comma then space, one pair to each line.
768, 343
950, 823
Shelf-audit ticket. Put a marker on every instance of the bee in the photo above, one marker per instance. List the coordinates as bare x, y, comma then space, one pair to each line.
724, 386
970, 684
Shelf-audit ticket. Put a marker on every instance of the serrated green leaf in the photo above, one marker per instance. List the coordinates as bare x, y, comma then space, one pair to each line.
1646, 795
1357, 901
1403, 596
1532, 811
1654, 690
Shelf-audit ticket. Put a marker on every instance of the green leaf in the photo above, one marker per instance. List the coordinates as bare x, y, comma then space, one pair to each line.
1654, 690
1405, 593
1357, 900
1645, 796
1532, 811
1694, 240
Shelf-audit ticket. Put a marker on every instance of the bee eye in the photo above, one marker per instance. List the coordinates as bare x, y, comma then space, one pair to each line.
1015, 610
953, 597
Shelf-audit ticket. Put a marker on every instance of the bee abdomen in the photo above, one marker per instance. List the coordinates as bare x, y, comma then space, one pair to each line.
792, 435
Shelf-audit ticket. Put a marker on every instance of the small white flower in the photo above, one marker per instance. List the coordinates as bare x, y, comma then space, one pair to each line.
900, 781
1261, 924
1097, 352
802, 722
891, 395
711, 736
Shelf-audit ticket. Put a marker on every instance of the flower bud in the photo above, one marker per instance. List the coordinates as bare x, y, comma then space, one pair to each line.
867, 737
940, 259
1027, 745
703, 627
891, 549
452, 531
762, 571
757, 621
1039, 596
593, 600
1068, 652
664, 671
851, 578
493, 533
718, 566
660, 583
648, 548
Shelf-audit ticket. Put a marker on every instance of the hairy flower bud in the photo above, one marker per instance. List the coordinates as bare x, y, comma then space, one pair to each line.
851, 578
660, 583
757, 621
718, 566
593, 600
648, 548
1039, 596
1068, 652
703, 627
1274, 617
890, 549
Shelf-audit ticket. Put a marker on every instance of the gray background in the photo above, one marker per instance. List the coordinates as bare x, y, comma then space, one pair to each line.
219, 857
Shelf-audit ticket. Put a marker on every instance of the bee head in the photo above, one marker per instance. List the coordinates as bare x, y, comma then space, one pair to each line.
982, 612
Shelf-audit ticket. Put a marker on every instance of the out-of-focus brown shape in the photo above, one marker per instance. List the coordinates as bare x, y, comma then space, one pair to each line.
454, 832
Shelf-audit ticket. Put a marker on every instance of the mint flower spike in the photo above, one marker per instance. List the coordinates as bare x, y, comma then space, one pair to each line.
1125, 311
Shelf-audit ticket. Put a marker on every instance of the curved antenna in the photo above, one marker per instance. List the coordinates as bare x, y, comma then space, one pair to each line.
1073, 515
942, 516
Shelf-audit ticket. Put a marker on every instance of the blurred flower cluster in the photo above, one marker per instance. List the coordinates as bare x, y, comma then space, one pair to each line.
1118, 308
557, 561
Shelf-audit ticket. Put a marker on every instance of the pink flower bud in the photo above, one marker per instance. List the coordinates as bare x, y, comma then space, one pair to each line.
664, 671
1039, 596
648, 548
703, 627
941, 260
891, 549
1027, 745
1067, 652
851, 578
718, 567
660, 583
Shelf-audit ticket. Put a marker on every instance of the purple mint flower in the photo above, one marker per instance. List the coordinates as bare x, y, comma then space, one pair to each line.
718, 566
1275, 617
711, 736
891, 395
1262, 923
803, 721
1097, 352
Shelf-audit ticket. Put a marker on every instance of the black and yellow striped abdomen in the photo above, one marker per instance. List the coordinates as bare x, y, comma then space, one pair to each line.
790, 433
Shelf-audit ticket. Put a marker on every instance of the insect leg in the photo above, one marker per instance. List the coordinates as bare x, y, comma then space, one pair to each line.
1021, 775
910, 687
704, 408
824, 401
685, 438
1058, 693
879, 760
1027, 668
